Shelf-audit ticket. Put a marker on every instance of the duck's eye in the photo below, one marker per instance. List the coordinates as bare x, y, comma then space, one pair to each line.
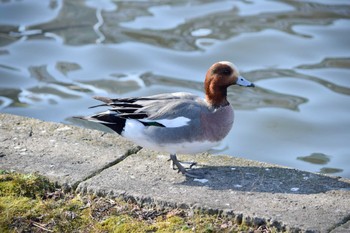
226, 71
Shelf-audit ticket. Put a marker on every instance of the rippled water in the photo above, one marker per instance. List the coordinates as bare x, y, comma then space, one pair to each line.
56, 55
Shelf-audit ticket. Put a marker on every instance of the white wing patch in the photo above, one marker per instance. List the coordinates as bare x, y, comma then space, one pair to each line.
172, 123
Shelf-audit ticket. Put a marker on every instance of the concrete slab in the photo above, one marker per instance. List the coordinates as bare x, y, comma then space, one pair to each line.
250, 191
106, 164
65, 154
342, 228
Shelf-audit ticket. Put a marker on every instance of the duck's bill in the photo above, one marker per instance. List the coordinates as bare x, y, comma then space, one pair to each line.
244, 82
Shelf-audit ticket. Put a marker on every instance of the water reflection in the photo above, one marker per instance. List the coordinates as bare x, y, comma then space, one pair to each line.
320, 159
56, 55
26, 13
330, 170
301, 72
316, 158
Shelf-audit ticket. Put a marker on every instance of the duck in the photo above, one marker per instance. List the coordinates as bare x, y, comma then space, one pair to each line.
176, 123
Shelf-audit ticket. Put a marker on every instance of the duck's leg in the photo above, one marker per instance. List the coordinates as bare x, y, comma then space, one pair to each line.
175, 167
176, 163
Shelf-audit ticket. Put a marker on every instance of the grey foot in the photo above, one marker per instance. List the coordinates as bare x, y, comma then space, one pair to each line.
176, 164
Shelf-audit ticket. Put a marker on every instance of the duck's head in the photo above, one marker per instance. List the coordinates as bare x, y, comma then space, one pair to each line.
219, 77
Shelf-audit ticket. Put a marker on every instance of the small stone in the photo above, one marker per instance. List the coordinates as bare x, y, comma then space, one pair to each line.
65, 128
201, 180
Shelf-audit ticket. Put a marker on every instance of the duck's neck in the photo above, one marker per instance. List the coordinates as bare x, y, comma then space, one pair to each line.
216, 97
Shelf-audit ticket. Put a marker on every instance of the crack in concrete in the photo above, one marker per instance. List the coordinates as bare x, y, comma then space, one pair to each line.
120, 159
344, 221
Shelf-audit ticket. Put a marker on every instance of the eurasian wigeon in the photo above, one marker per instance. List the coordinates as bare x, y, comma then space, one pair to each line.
176, 122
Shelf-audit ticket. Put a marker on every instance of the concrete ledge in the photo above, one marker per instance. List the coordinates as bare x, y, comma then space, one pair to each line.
65, 154
91, 161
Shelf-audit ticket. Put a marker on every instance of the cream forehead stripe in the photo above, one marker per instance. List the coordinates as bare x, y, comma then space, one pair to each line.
229, 64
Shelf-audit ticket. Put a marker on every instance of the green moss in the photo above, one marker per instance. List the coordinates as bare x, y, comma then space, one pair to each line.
30, 203
123, 223
27, 185
172, 224
12, 210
